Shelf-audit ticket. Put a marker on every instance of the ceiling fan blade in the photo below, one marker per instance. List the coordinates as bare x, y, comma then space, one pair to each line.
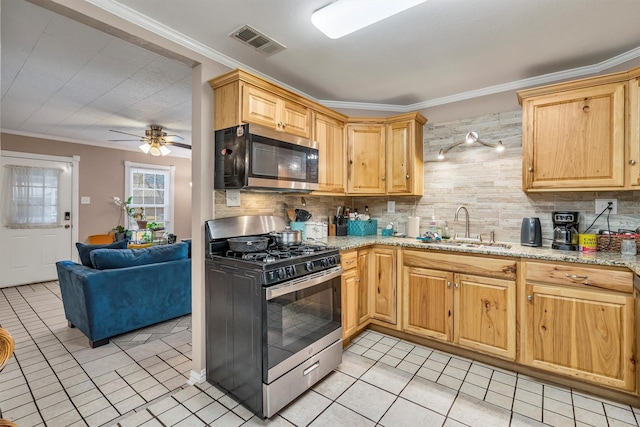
125, 140
178, 144
178, 137
126, 133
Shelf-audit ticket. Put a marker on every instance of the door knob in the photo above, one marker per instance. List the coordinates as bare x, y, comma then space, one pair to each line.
67, 226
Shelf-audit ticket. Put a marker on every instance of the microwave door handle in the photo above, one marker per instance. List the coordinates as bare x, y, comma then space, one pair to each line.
305, 282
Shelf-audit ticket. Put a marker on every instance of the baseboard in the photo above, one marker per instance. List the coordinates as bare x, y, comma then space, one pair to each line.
197, 377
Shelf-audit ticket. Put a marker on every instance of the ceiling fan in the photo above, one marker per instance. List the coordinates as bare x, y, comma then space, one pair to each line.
154, 141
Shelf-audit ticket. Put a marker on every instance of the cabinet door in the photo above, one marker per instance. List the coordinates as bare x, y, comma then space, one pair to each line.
575, 139
329, 134
259, 107
363, 282
485, 315
366, 159
349, 303
583, 333
428, 302
384, 285
399, 145
633, 164
295, 119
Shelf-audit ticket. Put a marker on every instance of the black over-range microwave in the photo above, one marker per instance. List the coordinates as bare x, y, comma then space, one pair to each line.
254, 157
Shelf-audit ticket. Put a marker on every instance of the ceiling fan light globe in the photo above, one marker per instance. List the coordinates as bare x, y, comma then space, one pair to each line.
500, 147
145, 148
155, 150
164, 150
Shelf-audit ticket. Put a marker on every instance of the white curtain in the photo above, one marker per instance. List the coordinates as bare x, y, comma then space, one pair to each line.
30, 197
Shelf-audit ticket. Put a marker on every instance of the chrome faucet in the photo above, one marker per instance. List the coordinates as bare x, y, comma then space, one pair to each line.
466, 226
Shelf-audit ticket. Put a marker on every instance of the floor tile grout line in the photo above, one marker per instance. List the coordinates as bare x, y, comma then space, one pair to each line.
21, 294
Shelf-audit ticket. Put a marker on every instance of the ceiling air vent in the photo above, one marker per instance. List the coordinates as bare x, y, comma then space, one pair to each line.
256, 40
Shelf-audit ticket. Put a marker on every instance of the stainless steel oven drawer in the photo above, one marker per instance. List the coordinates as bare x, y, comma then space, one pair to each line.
285, 389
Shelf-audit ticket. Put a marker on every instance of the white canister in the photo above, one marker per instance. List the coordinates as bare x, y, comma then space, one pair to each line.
315, 230
413, 226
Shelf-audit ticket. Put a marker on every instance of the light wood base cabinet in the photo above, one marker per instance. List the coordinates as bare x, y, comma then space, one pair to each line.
475, 312
577, 329
383, 285
356, 304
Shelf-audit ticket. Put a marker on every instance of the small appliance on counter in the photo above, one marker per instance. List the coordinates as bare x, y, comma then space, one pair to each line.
565, 230
531, 232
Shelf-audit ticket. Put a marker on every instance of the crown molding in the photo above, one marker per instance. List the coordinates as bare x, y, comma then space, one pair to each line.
168, 33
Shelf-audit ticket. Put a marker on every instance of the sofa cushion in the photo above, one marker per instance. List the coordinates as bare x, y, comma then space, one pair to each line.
104, 259
84, 251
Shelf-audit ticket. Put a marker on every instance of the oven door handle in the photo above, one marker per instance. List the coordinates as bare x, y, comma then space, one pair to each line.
302, 283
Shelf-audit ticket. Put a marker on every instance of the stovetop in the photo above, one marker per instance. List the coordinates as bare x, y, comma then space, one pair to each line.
281, 263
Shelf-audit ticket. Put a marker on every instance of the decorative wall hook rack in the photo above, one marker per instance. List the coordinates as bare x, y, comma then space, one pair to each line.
470, 139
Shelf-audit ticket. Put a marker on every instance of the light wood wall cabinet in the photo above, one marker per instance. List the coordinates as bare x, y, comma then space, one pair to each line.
633, 144
579, 322
385, 155
384, 285
356, 304
366, 160
241, 97
265, 108
329, 134
476, 311
582, 135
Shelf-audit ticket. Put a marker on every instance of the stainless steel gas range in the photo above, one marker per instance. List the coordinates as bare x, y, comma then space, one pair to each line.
273, 318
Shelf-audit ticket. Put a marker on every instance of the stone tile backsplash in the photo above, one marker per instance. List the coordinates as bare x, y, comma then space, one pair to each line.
488, 183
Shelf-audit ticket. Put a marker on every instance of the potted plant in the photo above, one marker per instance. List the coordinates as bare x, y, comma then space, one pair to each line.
158, 229
120, 233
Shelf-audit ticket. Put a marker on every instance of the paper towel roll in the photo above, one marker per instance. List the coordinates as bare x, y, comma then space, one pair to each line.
413, 226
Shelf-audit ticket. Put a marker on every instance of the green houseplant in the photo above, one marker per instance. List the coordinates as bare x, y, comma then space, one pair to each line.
157, 229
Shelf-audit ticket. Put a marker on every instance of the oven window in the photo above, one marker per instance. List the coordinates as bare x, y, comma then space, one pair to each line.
299, 319
278, 162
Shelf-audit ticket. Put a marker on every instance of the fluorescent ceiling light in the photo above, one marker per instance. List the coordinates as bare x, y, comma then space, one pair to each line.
343, 17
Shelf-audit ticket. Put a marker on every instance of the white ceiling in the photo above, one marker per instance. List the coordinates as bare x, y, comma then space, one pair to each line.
63, 79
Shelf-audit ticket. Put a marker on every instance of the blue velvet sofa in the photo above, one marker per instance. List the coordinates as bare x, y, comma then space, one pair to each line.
124, 289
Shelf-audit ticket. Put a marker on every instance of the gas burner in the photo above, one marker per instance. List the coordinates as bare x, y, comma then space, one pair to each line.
279, 254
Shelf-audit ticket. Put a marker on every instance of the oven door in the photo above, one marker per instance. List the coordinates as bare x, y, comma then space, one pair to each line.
302, 318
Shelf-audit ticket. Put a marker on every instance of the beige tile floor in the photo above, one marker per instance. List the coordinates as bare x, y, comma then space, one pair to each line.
139, 379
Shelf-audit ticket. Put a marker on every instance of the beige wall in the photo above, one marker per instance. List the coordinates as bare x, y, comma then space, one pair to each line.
102, 177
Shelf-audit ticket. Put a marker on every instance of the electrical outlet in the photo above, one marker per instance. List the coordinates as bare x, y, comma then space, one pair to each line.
391, 207
601, 204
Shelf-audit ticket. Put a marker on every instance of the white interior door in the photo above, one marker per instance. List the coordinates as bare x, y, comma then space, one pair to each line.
28, 255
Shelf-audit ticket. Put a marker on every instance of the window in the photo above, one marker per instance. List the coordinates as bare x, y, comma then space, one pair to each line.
31, 197
151, 188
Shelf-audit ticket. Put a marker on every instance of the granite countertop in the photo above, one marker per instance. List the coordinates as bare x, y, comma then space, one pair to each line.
613, 259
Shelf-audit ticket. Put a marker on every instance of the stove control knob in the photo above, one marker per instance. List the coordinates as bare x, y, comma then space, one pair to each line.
324, 262
281, 273
309, 266
332, 260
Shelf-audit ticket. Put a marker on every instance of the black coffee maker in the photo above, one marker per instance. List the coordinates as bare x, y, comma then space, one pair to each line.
565, 230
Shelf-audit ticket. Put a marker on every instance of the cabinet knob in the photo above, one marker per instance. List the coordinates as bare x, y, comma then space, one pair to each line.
632, 162
448, 284
529, 297
407, 176
456, 285
284, 125
357, 280
383, 177
530, 169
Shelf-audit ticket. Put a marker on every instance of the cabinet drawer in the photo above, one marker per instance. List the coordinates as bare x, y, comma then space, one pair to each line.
579, 275
349, 259
500, 268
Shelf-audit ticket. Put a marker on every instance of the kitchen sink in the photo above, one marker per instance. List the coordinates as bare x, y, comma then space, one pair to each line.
476, 245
